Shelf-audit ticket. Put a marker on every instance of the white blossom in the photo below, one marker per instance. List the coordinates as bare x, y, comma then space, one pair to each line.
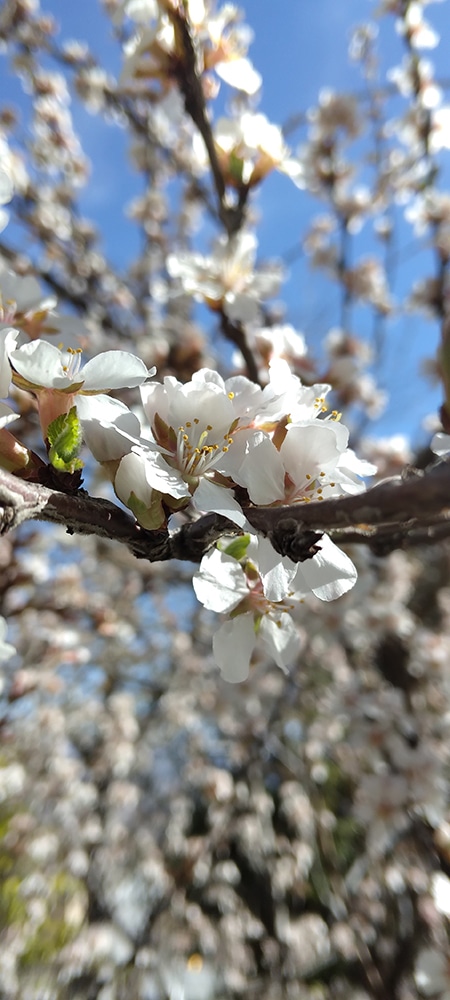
222, 584
227, 278
6, 650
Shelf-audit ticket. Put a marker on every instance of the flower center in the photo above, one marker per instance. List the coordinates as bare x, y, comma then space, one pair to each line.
197, 451
72, 367
311, 489
261, 605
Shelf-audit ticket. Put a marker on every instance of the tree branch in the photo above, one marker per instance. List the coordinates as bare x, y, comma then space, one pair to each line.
394, 514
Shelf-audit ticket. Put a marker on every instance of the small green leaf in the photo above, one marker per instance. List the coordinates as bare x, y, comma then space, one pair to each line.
238, 547
64, 437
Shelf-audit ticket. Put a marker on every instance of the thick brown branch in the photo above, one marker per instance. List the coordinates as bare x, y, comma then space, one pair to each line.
394, 514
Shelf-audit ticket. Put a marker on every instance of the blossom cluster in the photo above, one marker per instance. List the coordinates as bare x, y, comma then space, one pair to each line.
210, 446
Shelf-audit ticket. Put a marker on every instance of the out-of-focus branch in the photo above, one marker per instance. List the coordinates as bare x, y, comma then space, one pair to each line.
189, 81
234, 332
394, 514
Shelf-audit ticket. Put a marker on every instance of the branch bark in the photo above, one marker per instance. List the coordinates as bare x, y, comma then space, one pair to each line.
394, 514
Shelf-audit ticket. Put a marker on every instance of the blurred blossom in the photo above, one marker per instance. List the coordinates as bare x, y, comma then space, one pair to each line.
6, 650
228, 278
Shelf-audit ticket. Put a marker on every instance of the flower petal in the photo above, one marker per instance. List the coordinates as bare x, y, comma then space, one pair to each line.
109, 427
8, 338
277, 572
220, 582
209, 497
114, 370
329, 574
40, 364
160, 476
262, 471
233, 645
282, 639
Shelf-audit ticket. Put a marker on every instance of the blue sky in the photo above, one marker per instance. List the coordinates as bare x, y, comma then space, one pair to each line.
299, 47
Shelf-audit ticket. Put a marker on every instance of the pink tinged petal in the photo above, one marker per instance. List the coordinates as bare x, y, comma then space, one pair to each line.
262, 471
220, 583
210, 498
233, 645
281, 638
329, 574
277, 573
114, 370
162, 477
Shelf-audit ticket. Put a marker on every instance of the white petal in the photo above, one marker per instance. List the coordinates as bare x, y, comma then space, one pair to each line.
109, 427
220, 583
277, 572
114, 370
7, 415
329, 574
440, 887
8, 338
41, 364
131, 478
6, 650
233, 645
440, 444
262, 471
307, 448
162, 477
209, 497
240, 73
281, 638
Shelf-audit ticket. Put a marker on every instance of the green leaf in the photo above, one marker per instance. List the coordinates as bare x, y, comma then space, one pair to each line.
64, 437
238, 547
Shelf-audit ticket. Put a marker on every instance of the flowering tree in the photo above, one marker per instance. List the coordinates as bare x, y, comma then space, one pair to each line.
167, 833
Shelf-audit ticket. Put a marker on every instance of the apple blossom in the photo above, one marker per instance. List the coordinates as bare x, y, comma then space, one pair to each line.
23, 307
227, 279
249, 581
226, 47
56, 376
250, 147
223, 584
191, 432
